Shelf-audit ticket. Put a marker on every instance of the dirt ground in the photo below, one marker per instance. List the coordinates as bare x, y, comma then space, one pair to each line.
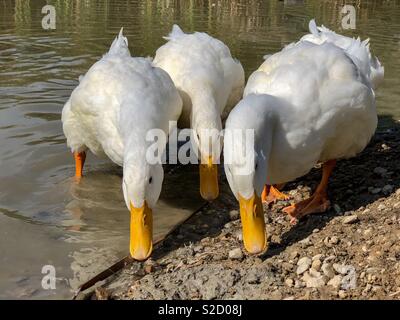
350, 252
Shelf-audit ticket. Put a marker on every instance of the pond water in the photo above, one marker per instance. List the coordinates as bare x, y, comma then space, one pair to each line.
46, 218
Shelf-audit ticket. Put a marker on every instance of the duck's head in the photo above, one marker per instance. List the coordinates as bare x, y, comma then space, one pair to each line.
142, 187
246, 180
206, 135
246, 153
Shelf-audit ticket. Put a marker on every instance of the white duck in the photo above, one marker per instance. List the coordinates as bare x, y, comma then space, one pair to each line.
312, 102
114, 106
210, 82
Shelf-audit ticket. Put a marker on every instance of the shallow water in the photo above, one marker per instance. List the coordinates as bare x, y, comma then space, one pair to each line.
45, 218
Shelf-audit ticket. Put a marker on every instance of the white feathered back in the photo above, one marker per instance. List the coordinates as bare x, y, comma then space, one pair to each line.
358, 50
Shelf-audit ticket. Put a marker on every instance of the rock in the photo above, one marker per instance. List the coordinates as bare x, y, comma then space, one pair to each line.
316, 265
101, 293
148, 268
306, 242
387, 189
350, 280
289, 282
294, 254
380, 171
374, 190
330, 258
239, 235
328, 270
313, 281
385, 146
287, 266
335, 282
318, 257
236, 254
303, 265
340, 268
298, 284
276, 295
368, 232
342, 294
396, 205
337, 208
381, 207
350, 219
234, 215
334, 240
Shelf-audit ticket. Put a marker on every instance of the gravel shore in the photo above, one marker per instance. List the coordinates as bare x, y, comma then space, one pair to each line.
350, 252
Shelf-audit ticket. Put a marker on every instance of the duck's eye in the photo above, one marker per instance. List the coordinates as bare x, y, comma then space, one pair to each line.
150, 180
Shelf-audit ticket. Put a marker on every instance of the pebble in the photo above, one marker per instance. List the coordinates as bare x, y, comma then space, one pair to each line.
387, 189
374, 190
239, 235
366, 211
234, 215
334, 240
380, 171
316, 265
342, 294
396, 205
340, 268
303, 265
350, 219
306, 242
381, 207
368, 232
294, 254
329, 258
298, 284
328, 270
289, 282
350, 280
313, 281
236, 254
335, 282
337, 208
318, 257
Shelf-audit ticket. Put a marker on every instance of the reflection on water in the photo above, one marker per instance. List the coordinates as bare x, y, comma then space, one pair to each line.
47, 219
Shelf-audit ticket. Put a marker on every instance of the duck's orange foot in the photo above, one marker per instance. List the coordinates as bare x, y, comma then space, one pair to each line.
271, 194
317, 203
80, 158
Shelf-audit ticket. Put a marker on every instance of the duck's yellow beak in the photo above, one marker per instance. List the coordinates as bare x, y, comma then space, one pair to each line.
209, 180
253, 224
141, 244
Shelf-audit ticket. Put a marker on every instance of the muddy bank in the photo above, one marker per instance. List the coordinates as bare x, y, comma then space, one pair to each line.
350, 252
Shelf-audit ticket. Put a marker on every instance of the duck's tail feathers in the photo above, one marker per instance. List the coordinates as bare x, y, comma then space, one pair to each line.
175, 33
358, 50
119, 45
312, 26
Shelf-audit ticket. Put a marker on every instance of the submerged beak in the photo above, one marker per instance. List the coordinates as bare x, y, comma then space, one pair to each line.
209, 180
141, 243
253, 224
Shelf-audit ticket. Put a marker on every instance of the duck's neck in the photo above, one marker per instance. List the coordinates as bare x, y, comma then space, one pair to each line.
204, 108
